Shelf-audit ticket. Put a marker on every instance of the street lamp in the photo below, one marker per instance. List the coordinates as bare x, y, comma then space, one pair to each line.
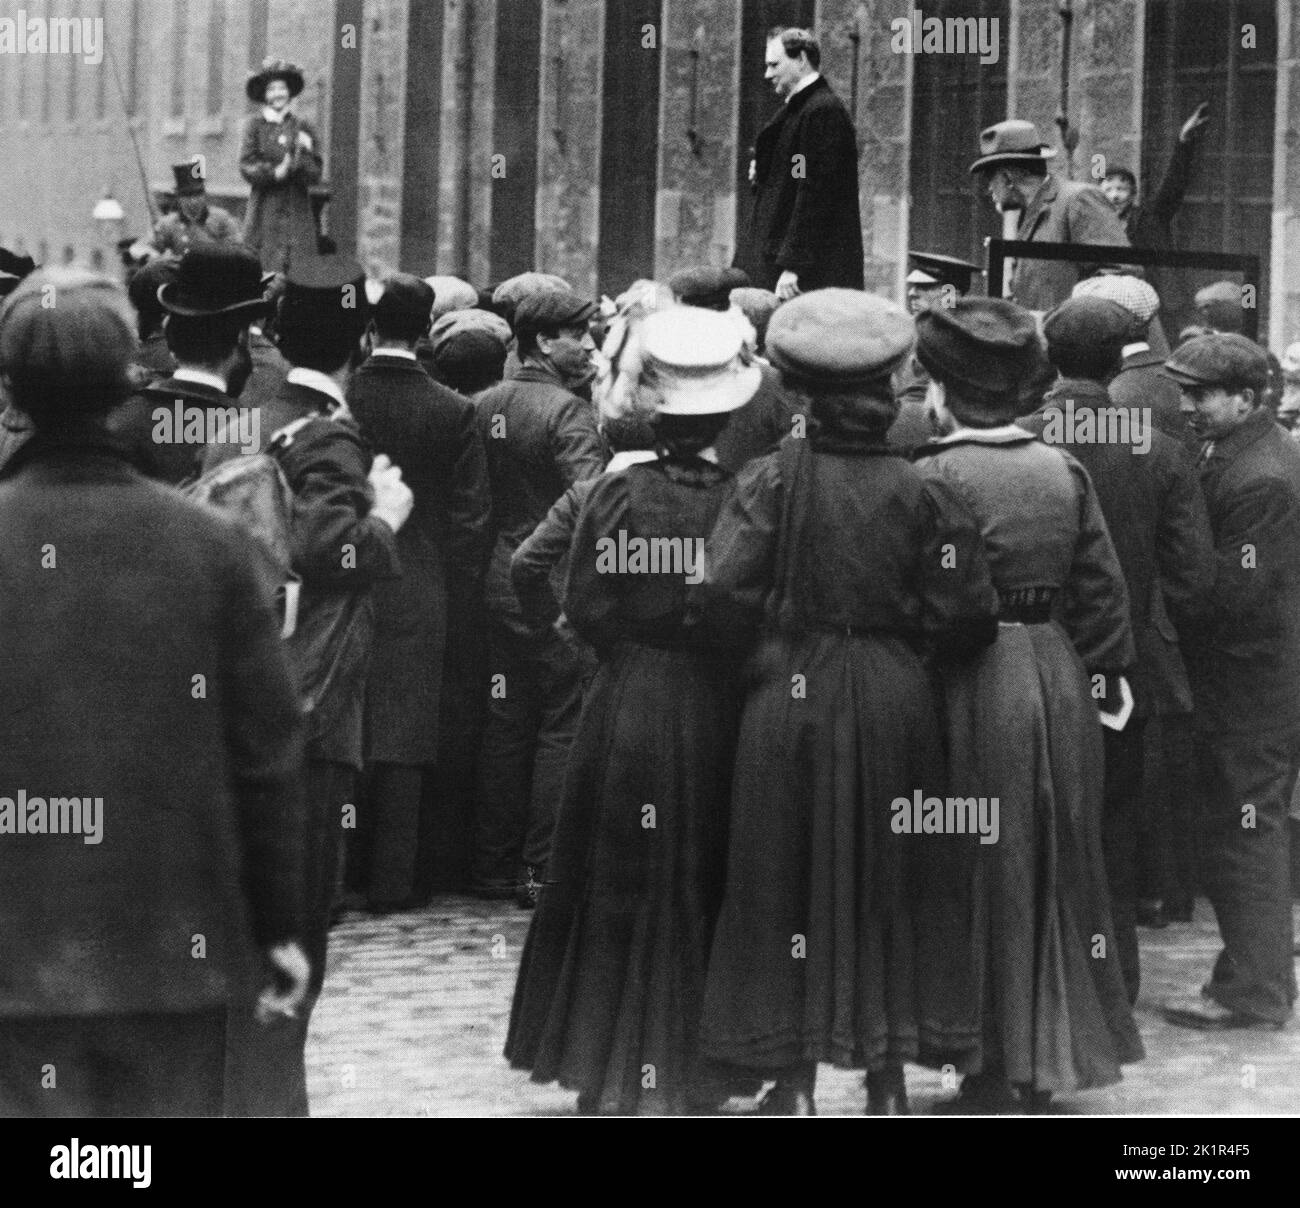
110, 218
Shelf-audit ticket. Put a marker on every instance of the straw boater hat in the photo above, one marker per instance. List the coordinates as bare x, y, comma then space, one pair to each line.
1011, 142
691, 359
274, 69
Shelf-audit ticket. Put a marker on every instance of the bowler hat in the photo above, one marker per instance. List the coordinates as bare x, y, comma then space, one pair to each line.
838, 339
274, 69
1010, 142
215, 279
985, 347
707, 287
1222, 358
691, 361
189, 177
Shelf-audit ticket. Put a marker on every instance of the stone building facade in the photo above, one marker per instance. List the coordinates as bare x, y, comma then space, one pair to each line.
608, 139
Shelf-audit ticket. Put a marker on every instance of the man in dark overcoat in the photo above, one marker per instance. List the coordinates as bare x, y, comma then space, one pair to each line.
429, 432
1244, 663
149, 706
806, 231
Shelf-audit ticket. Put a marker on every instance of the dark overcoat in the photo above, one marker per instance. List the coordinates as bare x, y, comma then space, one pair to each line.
806, 214
279, 225
116, 594
429, 432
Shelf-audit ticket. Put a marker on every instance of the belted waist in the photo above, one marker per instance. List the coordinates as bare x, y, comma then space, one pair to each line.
1027, 605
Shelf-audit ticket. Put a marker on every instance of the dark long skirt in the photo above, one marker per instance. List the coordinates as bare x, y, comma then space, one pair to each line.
1043, 985
814, 956
608, 997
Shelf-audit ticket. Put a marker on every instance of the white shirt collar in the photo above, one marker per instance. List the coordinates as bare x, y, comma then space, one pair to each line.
1132, 349
629, 457
313, 379
804, 83
995, 435
201, 376
405, 353
274, 115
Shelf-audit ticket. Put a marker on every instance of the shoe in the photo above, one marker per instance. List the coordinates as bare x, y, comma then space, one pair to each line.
1151, 913
887, 1093
1207, 1015
786, 1100
494, 891
530, 889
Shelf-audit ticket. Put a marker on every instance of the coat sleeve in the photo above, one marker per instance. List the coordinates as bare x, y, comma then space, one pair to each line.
265, 733
960, 604
1173, 188
827, 144
591, 598
1096, 607
1092, 219
740, 554
254, 167
307, 166
1184, 542
336, 542
532, 563
575, 441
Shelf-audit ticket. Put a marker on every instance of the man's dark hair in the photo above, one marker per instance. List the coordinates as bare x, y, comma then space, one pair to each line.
1123, 174
203, 339
526, 337
798, 41
1095, 364
316, 344
405, 328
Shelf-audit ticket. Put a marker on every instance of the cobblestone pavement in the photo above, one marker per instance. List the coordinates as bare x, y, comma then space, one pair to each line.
415, 1007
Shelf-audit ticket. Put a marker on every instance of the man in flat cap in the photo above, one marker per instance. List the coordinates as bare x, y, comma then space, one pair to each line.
1146, 485
1012, 170
1244, 663
195, 822
758, 427
429, 432
934, 280
806, 230
540, 438
194, 220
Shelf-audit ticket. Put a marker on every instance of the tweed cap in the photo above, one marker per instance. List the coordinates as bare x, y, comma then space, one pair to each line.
705, 286
468, 353
838, 338
1221, 358
514, 290
452, 324
1087, 324
1132, 293
1010, 142
451, 293
551, 308
691, 361
984, 346
69, 334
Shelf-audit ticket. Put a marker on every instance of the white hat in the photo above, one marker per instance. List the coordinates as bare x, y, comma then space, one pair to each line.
692, 359
1132, 293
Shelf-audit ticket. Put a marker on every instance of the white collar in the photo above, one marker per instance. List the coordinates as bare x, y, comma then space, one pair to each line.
405, 353
201, 376
995, 435
629, 457
1132, 349
313, 379
804, 83
275, 116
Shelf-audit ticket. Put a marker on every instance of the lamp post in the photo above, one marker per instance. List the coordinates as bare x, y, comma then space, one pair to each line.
110, 218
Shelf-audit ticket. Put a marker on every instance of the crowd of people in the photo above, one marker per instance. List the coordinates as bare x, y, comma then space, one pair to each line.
837, 682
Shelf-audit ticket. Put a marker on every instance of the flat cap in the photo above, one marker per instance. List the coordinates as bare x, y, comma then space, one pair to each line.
468, 353
1084, 324
1219, 291
473, 318
406, 299
514, 290
551, 308
451, 293
984, 346
1132, 293
838, 338
705, 286
1221, 358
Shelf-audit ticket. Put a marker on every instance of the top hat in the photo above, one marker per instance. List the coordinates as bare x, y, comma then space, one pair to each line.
215, 279
189, 177
274, 69
1011, 142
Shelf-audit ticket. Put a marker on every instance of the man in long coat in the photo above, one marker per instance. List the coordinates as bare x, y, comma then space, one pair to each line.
429, 432
807, 226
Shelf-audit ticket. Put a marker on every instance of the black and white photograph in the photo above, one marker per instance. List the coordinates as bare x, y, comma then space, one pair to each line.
679, 558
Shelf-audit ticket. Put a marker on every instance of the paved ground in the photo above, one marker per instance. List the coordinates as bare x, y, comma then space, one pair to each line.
415, 1008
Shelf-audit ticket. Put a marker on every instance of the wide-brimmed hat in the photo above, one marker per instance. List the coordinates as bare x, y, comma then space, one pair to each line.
838, 339
1010, 142
189, 177
691, 360
274, 69
215, 279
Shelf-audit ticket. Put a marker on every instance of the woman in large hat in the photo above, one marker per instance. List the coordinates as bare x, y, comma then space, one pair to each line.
1033, 981
609, 991
854, 567
280, 158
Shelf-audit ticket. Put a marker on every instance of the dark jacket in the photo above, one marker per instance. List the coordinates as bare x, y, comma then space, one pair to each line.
1156, 517
1244, 658
1061, 211
146, 422
540, 439
756, 429
279, 226
429, 432
174, 233
1140, 383
101, 654
1150, 224
806, 213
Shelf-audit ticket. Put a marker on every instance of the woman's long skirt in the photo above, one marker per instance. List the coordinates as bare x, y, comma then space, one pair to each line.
609, 992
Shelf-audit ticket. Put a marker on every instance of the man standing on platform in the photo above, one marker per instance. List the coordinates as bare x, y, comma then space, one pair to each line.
807, 227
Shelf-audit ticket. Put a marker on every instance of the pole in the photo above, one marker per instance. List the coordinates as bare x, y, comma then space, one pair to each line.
130, 129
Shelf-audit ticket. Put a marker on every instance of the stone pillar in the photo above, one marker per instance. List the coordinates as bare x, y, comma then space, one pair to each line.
1033, 72
569, 134
1106, 86
1284, 303
696, 208
383, 121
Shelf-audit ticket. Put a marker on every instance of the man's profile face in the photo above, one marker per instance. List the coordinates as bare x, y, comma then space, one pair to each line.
782, 71
1211, 411
570, 349
1118, 192
1005, 189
